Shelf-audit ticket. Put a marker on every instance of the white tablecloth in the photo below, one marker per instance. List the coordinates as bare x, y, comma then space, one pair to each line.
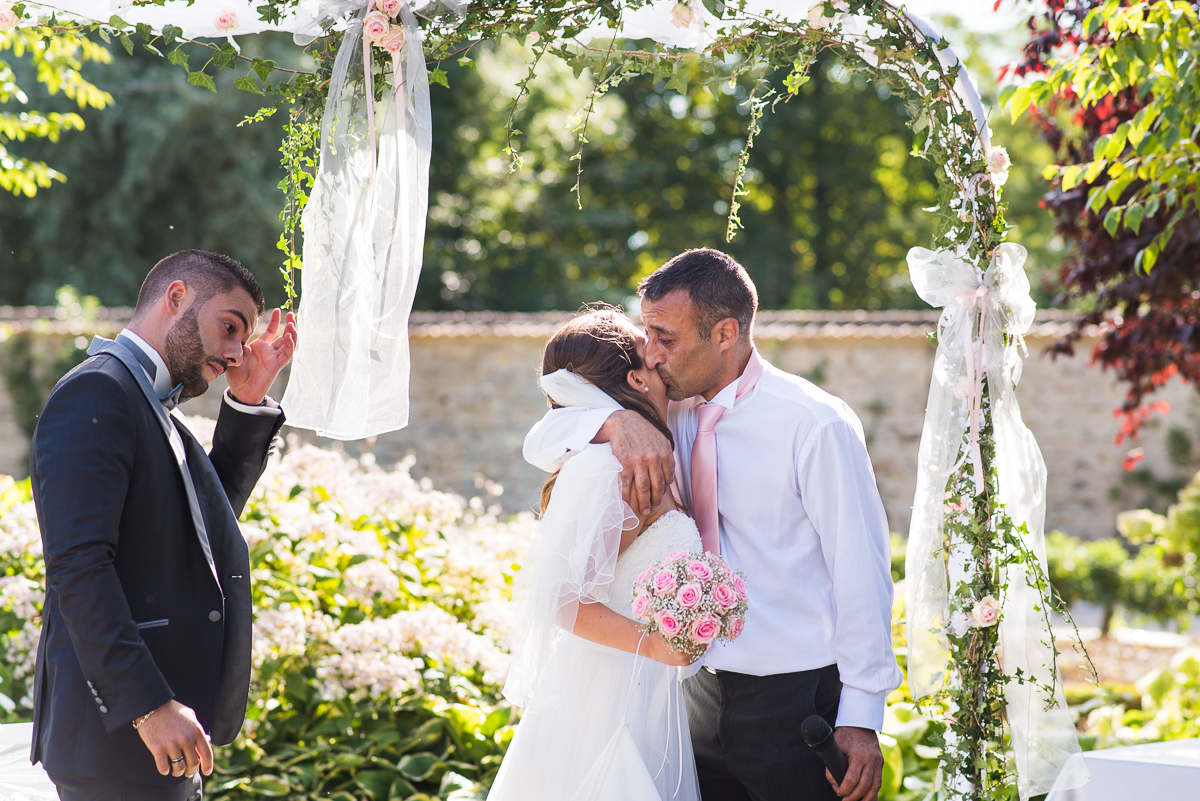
1169, 771
20, 781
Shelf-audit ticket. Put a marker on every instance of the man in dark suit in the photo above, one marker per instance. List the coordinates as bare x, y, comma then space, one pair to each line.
144, 658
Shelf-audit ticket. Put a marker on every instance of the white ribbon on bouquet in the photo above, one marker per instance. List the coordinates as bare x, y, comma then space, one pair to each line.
984, 320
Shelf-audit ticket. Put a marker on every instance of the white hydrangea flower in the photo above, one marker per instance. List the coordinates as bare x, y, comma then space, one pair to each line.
361, 582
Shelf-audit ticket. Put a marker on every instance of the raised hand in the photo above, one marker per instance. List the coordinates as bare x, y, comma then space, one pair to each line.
263, 359
173, 732
864, 776
647, 462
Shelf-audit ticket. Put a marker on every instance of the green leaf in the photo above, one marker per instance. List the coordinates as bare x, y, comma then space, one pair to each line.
679, 81
247, 84
145, 31
202, 79
178, 58
1133, 217
1070, 176
117, 22
376, 783
225, 56
104, 35
271, 786
263, 68
170, 33
438, 76
465, 61
419, 766
127, 43
1018, 102
1112, 221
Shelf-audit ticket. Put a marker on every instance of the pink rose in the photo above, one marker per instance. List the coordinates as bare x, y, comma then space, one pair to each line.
739, 586
673, 555
664, 582
668, 624
725, 596
376, 26
997, 160
734, 627
705, 628
986, 612
389, 7
689, 596
392, 41
8, 17
682, 15
645, 575
699, 570
640, 604
226, 20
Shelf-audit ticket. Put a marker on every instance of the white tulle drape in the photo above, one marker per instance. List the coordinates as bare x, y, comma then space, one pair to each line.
364, 232
574, 554
1042, 729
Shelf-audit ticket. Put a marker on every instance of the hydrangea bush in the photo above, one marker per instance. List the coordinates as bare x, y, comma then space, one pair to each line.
380, 611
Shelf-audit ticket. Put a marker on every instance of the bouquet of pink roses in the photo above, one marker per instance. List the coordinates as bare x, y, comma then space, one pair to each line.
691, 600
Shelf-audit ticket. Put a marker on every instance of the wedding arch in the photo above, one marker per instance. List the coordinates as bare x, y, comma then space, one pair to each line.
358, 134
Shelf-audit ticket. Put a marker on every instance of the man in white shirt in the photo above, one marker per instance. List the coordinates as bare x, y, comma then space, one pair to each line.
798, 513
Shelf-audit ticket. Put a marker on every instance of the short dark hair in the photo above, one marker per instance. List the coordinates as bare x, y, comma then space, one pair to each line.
205, 273
718, 286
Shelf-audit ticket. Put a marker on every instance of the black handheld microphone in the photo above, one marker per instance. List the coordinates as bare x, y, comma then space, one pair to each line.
819, 736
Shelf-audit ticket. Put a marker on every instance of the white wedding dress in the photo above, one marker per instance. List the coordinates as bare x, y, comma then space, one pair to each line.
603, 724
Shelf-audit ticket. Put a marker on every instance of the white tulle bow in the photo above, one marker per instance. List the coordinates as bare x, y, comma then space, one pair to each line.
567, 389
985, 318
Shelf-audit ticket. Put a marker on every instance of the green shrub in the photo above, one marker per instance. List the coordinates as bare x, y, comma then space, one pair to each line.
380, 605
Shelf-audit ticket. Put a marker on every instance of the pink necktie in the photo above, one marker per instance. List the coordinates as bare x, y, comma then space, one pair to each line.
704, 460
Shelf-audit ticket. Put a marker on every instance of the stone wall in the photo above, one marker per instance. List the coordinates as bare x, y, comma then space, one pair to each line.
474, 395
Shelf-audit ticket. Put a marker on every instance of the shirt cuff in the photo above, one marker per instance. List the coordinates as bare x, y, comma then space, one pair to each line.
270, 408
861, 709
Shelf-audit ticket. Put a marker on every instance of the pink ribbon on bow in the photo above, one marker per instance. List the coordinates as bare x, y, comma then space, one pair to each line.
974, 375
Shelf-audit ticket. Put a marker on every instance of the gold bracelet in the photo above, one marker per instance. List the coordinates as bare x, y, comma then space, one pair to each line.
137, 724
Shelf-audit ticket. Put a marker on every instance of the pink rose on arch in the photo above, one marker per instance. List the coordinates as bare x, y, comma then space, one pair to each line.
393, 41
705, 628
225, 21
699, 570
664, 582
376, 26
668, 624
739, 587
689, 596
640, 604
645, 575
986, 612
8, 17
734, 627
725, 596
389, 7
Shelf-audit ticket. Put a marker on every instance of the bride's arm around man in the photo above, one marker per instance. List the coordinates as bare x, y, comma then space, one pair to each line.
776, 471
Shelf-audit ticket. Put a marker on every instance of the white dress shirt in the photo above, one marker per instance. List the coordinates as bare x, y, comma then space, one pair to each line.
161, 380
801, 516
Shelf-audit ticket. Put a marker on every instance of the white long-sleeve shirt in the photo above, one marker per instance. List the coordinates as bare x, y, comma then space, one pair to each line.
801, 516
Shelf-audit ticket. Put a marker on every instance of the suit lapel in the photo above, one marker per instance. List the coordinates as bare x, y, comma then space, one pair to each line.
178, 448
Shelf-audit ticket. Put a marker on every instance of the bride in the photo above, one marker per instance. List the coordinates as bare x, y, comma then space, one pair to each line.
603, 711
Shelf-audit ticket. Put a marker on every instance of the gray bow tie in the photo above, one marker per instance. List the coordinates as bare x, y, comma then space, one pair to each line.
173, 398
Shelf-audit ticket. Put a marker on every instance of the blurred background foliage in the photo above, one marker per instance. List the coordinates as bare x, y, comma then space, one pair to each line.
835, 200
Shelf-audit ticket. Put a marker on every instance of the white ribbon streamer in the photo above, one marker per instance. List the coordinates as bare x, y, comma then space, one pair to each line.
567, 389
1042, 729
364, 231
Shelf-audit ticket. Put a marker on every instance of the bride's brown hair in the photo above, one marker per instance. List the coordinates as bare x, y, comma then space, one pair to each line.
600, 346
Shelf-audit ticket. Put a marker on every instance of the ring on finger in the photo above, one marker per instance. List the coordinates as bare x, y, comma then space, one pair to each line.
176, 761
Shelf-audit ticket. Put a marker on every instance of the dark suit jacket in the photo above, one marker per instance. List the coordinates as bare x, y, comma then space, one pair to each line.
136, 611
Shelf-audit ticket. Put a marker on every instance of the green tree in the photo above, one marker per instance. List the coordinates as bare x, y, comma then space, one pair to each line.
53, 64
165, 167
